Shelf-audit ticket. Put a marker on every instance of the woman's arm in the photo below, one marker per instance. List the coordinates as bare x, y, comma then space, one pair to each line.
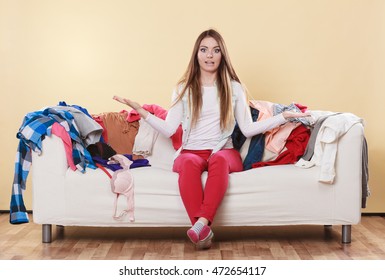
250, 128
166, 127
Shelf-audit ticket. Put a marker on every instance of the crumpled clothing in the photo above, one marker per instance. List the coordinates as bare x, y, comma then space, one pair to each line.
279, 108
296, 144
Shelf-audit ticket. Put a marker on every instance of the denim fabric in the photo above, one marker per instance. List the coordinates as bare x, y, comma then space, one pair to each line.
257, 143
255, 153
237, 135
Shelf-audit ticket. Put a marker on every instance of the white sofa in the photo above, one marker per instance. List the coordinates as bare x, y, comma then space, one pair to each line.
267, 196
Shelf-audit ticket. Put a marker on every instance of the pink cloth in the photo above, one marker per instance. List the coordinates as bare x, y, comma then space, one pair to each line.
99, 120
158, 111
154, 109
275, 139
60, 131
122, 183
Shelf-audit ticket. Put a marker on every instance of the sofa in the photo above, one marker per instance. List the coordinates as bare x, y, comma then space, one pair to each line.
278, 195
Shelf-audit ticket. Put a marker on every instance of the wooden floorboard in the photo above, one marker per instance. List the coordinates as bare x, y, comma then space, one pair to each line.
23, 242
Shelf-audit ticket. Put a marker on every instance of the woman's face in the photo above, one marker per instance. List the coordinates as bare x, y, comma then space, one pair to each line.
209, 55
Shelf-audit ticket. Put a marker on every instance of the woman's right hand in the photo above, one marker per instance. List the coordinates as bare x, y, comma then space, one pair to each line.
134, 105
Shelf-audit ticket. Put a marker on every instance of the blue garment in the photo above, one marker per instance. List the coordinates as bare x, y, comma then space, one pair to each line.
237, 136
116, 166
84, 110
255, 153
257, 143
35, 127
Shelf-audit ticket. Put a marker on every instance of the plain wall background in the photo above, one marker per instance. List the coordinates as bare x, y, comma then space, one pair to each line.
326, 54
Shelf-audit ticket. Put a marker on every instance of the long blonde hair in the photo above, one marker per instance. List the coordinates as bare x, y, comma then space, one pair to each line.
191, 83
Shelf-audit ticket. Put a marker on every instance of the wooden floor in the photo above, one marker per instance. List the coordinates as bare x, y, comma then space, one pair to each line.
252, 243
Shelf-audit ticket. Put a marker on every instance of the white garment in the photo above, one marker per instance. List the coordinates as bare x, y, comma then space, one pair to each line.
206, 134
325, 149
207, 131
144, 139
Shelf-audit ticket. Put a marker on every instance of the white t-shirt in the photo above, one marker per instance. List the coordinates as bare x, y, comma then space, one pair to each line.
207, 132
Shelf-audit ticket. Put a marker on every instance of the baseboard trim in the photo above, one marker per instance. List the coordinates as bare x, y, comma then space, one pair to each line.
382, 214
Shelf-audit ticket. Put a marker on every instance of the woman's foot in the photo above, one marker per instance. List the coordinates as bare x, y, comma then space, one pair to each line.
205, 238
194, 232
201, 235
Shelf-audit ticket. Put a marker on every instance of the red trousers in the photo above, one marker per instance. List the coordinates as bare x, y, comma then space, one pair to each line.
190, 164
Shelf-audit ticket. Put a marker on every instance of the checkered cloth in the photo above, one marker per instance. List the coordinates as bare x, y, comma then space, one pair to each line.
35, 127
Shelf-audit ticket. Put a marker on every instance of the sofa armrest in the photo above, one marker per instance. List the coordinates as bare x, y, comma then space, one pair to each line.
348, 167
53, 158
48, 180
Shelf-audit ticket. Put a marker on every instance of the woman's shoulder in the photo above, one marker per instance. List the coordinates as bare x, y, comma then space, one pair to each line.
237, 87
235, 84
179, 88
177, 91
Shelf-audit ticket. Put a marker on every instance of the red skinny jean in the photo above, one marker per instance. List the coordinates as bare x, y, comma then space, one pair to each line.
202, 201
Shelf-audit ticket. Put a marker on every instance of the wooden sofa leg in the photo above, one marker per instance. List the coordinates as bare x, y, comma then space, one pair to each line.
47, 233
346, 234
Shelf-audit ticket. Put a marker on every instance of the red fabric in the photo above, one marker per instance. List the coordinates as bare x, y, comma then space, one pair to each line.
199, 201
158, 111
303, 108
99, 120
296, 144
104, 170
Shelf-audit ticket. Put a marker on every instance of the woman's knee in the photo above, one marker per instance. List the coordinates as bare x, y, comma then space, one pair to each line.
227, 159
188, 161
218, 159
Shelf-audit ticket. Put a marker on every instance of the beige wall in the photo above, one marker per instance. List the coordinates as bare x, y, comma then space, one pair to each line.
326, 54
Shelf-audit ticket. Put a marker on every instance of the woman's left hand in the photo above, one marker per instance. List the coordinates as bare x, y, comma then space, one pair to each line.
289, 114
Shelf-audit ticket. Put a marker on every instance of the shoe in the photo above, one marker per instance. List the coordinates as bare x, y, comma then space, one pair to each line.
205, 238
193, 236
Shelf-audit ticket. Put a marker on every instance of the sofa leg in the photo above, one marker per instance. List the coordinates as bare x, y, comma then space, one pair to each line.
346, 234
59, 231
47, 233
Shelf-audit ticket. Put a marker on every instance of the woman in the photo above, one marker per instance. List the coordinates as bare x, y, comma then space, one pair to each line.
208, 100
